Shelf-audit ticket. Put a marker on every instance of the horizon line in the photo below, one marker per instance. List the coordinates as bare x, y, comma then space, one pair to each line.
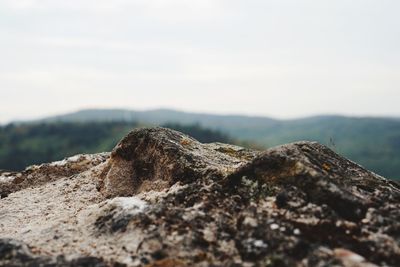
207, 113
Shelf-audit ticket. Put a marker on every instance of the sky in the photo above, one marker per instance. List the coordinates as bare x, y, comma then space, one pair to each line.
276, 58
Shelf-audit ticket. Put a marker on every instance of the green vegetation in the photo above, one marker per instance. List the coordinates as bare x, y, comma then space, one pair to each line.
371, 142
26, 144
202, 134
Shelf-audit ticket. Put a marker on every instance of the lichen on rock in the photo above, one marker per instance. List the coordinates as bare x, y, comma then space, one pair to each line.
164, 199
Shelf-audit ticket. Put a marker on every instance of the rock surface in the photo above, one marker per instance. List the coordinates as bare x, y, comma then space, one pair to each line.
162, 198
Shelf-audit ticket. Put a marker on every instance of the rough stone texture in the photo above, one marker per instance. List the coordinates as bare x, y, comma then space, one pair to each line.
14, 253
164, 199
154, 158
40, 174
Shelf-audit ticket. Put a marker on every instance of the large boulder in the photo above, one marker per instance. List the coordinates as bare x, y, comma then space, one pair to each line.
162, 198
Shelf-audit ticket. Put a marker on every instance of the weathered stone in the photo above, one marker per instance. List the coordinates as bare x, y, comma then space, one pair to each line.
15, 253
156, 158
324, 176
164, 199
36, 175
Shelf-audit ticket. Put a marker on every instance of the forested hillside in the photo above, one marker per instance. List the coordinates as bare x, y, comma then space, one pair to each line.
26, 144
371, 142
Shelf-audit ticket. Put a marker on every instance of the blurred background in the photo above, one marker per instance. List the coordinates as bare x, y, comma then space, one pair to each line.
77, 75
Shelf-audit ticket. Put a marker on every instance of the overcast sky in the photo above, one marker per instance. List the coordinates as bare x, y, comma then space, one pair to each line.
279, 58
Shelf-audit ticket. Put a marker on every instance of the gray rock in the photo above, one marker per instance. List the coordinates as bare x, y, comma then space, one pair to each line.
14, 253
164, 199
36, 175
156, 158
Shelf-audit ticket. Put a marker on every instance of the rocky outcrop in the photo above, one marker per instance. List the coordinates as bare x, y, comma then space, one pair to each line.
162, 198
155, 159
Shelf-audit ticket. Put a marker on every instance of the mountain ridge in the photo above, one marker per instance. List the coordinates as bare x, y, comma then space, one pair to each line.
74, 115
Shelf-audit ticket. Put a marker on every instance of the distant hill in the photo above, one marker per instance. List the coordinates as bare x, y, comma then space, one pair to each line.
230, 123
372, 142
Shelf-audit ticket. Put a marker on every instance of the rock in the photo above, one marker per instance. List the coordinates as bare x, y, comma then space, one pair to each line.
164, 199
156, 158
14, 253
40, 174
324, 176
